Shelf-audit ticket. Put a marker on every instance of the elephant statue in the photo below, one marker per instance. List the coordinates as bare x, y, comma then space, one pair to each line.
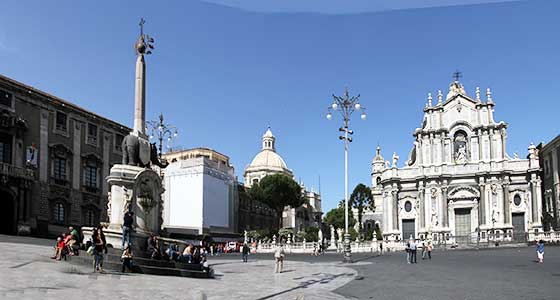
131, 153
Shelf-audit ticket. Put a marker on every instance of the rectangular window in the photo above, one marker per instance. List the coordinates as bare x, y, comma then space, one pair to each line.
92, 134
61, 121
59, 168
118, 141
5, 99
5, 148
90, 176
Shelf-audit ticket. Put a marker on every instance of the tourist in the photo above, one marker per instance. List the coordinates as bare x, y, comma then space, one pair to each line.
430, 247
407, 249
58, 248
128, 219
245, 252
188, 253
424, 250
279, 256
100, 246
540, 251
153, 247
212, 249
381, 247
126, 258
413, 249
196, 256
73, 243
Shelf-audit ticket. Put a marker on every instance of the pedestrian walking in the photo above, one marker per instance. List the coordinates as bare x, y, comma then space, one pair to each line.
279, 256
413, 249
245, 252
540, 251
128, 219
424, 250
430, 247
381, 247
408, 254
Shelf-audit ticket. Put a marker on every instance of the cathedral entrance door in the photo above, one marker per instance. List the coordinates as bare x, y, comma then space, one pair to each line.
463, 226
518, 222
7, 213
408, 229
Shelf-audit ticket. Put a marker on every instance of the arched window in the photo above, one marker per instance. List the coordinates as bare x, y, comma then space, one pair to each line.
255, 181
59, 212
90, 217
378, 180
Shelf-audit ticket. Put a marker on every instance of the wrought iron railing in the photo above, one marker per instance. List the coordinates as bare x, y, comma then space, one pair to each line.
18, 172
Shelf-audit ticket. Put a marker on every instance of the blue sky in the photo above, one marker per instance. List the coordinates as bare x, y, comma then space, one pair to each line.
222, 74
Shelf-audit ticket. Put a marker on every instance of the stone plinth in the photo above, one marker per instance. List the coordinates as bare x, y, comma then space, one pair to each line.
139, 190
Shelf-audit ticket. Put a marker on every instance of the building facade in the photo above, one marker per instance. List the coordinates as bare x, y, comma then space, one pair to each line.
549, 155
200, 194
54, 160
268, 162
459, 181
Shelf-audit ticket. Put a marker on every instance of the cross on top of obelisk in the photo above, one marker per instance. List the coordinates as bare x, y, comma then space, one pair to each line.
457, 75
141, 24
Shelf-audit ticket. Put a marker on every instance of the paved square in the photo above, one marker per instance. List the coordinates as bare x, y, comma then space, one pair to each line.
26, 272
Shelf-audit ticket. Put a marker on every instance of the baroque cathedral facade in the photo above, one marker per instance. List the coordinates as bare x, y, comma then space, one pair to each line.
459, 183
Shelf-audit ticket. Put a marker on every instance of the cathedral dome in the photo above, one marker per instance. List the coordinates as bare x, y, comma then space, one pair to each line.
268, 158
266, 162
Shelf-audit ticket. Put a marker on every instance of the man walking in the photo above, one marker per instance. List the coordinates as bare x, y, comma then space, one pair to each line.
128, 219
279, 259
245, 252
540, 251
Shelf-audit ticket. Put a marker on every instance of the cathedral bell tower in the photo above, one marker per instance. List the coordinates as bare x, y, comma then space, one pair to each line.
378, 165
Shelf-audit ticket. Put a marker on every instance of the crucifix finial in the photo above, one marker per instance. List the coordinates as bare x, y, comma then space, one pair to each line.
141, 24
457, 75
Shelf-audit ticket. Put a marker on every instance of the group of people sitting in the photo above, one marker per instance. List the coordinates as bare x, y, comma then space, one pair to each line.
190, 255
67, 244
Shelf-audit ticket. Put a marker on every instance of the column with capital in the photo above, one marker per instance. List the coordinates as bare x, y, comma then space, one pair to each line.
394, 200
482, 202
421, 192
445, 222
507, 213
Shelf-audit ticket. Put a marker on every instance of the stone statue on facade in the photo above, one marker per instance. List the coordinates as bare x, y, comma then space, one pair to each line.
395, 159
461, 156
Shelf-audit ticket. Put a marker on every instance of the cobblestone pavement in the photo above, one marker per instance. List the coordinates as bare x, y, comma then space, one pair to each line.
27, 272
495, 274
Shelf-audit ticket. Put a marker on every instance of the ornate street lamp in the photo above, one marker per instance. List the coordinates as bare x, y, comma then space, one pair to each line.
346, 105
162, 131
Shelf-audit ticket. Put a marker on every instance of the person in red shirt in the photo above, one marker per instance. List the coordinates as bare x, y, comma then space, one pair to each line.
58, 248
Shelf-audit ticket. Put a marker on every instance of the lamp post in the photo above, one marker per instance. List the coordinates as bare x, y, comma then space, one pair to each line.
162, 131
346, 105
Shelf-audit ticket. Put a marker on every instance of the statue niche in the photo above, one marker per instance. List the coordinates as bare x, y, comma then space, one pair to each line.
460, 149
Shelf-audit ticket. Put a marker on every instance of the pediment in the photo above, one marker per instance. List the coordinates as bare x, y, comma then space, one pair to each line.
463, 192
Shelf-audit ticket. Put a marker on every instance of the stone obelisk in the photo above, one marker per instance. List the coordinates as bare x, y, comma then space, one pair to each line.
134, 186
140, 90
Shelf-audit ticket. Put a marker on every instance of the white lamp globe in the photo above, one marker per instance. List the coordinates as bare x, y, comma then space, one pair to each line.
363, 116
329, 116
357, 106
334, 106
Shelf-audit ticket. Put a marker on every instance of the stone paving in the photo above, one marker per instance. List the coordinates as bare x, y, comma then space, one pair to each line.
27, 272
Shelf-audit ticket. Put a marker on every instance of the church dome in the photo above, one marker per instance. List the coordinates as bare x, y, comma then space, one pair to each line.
268, 158
266, 162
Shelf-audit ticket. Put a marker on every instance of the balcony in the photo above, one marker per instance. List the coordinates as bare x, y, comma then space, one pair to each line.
16, 172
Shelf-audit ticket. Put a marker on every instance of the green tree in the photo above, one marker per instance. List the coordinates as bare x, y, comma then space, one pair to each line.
335, 217
360, 200
277, 191
311, 234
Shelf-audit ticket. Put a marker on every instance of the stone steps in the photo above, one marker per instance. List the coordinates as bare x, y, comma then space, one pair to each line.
143, 265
